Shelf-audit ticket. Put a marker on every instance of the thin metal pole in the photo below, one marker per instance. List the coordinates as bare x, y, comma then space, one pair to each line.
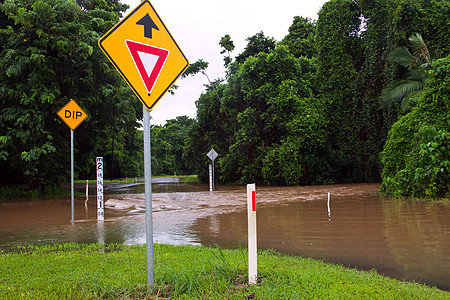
112, 156
71, 176
148, 198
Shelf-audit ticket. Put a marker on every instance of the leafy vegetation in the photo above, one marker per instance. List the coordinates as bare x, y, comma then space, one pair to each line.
49, 55
416, 157
307, 110
418, 64
75, 271
168, 143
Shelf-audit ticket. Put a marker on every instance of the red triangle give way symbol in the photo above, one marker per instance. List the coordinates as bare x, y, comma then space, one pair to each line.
149, 61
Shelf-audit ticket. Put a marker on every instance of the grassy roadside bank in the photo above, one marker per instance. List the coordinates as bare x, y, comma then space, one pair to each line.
75, 271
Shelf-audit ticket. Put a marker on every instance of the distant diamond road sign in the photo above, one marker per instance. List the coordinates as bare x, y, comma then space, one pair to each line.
212, 154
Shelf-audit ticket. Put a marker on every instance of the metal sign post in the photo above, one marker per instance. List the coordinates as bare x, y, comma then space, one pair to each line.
148, 198
72, 115
144, 52
212, 156
72, 189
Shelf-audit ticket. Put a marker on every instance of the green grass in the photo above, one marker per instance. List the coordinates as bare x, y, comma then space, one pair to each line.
23, 191
188, 178
74, 271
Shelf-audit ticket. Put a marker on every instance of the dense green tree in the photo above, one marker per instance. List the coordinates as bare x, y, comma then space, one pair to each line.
354, 42
49, 55
256, 44
211, 130
416, 157
302, 155
168, 144
302, 111
270, 88
339, 63
378, 39
300, 39
282, 118
228, 46
198, 67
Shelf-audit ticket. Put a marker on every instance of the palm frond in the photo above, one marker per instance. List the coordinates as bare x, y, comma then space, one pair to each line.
418, 63
416, 40
400, 89
402, 56
417, 74
420, 49
415, 94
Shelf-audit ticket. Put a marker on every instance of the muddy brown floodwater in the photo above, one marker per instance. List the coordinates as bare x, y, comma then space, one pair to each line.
400, 238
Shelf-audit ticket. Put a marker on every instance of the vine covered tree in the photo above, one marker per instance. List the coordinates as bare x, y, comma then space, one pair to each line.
49, 55
416, 157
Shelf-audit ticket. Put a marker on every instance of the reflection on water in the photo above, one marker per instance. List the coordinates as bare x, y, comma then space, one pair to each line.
403, 239
48, 221
45, 221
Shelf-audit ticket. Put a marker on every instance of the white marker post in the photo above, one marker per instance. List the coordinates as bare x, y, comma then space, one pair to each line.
252, 243
210, 178
87, 197
212, 154
100, 200
328, 204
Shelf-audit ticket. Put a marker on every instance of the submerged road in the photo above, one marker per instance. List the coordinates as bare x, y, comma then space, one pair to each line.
158, 180
116, 185
165, 180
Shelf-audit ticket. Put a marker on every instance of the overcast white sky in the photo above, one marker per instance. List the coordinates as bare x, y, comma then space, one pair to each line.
198, 25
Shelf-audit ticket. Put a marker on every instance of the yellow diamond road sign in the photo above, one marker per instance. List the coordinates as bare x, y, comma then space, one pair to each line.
72, 114
145, 53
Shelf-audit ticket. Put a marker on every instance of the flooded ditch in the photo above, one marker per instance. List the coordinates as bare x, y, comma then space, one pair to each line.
400, 238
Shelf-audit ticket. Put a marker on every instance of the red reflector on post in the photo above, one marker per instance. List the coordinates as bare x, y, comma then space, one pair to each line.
253, 200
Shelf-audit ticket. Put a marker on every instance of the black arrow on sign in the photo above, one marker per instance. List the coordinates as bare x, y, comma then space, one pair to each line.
148, 25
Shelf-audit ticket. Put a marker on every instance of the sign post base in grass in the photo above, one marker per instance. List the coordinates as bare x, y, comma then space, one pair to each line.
252, 242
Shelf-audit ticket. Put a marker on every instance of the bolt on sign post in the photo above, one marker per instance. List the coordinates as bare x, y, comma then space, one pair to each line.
212, 156
252, 242
146, 55
100, 200
72, 115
